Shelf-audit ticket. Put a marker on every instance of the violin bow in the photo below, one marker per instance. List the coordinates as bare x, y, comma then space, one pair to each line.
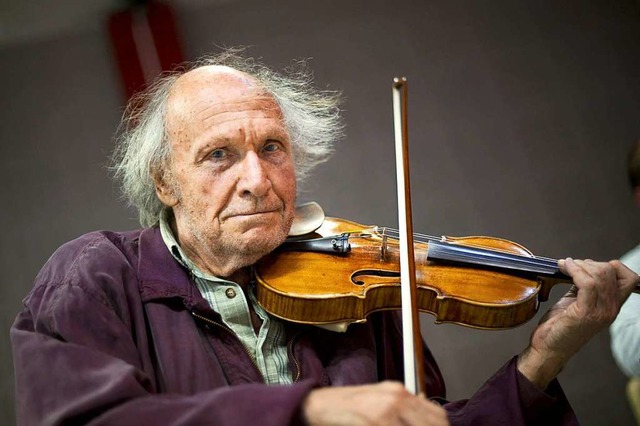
412, 340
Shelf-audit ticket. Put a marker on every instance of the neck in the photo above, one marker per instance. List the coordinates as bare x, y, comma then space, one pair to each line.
242, 276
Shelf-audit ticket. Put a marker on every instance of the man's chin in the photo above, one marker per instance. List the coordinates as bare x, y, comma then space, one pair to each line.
257, 235
261, 240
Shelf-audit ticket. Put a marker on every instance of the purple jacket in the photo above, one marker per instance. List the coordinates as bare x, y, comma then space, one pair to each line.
114, 332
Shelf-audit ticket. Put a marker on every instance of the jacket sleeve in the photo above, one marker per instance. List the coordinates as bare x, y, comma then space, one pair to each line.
77, 362
509, 398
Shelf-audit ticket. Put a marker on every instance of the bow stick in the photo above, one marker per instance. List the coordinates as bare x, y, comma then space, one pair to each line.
412, 340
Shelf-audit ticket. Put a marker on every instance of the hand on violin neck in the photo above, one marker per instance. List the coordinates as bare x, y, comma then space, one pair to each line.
385, 403
592, 303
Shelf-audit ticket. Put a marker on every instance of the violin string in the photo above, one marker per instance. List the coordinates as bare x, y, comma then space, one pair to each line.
444, 250
393, 233
426, 238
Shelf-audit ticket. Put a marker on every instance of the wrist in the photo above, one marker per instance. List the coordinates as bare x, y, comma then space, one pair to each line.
540, 369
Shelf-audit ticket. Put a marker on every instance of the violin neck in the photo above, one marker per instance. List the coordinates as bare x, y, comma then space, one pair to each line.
544, 270
444, 251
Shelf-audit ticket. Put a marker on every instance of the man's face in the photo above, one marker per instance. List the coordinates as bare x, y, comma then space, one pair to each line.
232, 182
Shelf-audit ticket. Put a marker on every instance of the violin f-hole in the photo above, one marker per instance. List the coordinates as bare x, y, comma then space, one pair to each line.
375, 276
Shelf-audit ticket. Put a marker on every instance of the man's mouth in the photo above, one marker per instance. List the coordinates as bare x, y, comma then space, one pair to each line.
254, 213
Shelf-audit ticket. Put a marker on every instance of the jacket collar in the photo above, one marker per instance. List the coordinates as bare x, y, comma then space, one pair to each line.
161, 276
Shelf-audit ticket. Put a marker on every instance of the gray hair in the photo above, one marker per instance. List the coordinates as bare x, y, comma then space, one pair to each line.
311, 117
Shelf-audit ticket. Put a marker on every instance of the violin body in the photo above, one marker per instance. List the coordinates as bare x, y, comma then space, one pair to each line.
316, 286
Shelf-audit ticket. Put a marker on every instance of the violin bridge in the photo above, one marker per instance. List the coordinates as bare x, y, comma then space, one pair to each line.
384, 253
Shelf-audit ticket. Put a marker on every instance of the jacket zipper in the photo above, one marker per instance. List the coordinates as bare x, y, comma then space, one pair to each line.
228, 330
296, 378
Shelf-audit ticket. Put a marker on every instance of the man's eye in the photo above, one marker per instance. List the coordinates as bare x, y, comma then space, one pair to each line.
272, 147
218, 154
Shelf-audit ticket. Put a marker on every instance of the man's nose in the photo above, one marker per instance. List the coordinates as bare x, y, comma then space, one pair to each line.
253, 179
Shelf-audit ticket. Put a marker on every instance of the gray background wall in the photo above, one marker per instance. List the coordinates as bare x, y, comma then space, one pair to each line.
520, 118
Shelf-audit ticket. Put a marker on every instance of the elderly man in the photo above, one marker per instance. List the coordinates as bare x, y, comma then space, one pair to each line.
160, 326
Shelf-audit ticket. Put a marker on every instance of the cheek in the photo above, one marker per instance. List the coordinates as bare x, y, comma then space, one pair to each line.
204, 194
287, 185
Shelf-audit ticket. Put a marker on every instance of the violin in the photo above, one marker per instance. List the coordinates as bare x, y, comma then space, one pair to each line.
343, 271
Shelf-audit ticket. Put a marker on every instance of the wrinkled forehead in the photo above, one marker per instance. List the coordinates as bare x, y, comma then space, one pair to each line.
215, 85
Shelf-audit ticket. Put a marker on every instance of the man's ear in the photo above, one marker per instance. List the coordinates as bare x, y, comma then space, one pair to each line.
164, 190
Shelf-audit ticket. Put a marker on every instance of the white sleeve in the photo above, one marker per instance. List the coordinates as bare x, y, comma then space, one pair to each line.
625, 330
625, 337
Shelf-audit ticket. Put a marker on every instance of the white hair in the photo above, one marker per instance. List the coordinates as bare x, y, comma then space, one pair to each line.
311, 117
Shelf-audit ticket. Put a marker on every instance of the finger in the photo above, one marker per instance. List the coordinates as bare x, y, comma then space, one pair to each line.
612, 285
570, 267
623, 272
628, 280
605, 283
586, 267
598, 294
615, 280
587, 295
